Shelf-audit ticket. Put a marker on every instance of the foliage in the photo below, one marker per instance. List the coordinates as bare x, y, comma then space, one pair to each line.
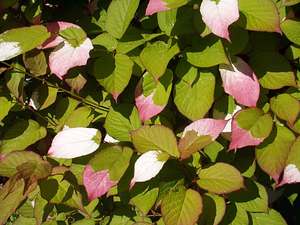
167, 112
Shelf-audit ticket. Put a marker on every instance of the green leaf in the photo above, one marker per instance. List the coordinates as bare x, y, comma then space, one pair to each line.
212, 150
40, 208
85, 222
6, 104
291, 28
188, 21
294, 154
220, 178
192, 143
15, 161
35, 61
43, 97
24, 39
112, 72
290, 2
235, 215
132, 39
75, 79
21, 135
296, 126
121, 120
271, 155
144, 196
181, 206
26, 208
285, 107
213, 209
106, 40
62, 110
115, 159
156, 137
119, 15
208, 51
253, 198
11, 195
24, 221
155, 57
58, 190
166, 20
292, 52
161, 88
194, 92
272, 69
74, 35
254, 120
15, 81
259, 15
84, 113
272, 217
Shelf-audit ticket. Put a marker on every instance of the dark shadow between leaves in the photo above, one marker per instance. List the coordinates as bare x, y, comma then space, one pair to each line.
250, 192
16, 129
209, 211
48, 188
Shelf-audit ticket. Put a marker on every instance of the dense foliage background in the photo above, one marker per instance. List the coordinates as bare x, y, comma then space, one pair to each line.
197, 125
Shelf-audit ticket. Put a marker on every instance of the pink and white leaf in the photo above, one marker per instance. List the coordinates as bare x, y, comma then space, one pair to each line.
219, 15
155, 6
54, 28
145, 104
96, 183
291, 174
211, 127
65, 57
146, 167
240, 82
146, 107
74, 142
241, 138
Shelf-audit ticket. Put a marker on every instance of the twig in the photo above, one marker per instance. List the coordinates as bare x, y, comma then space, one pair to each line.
73, 95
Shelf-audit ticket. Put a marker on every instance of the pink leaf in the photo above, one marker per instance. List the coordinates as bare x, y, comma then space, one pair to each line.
240, 81
65, 57
241, 138
218, 16
145, 105
155, 6
96, 183
208, 126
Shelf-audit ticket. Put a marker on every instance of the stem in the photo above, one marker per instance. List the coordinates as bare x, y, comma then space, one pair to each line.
36, 113
73, 95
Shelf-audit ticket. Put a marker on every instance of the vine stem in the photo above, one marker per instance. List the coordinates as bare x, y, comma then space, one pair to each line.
72, 94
